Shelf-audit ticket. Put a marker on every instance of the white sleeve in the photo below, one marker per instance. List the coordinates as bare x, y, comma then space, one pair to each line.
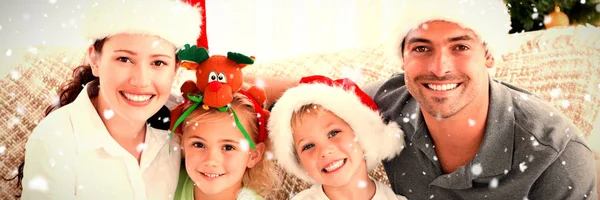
48, 174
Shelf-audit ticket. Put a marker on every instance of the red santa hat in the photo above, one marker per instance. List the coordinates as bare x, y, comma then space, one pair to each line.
488, 19
344, 98
172, 20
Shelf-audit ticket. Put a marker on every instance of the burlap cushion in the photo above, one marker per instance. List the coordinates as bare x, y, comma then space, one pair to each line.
565, 59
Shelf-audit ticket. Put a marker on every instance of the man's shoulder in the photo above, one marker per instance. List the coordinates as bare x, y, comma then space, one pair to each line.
388, 93
537, 117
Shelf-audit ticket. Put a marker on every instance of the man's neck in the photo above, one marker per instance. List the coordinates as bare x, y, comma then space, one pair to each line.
359, 187
457, 139
230, 193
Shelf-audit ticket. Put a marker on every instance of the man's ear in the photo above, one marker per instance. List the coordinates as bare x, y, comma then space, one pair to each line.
93, 58
256, 154
489, 61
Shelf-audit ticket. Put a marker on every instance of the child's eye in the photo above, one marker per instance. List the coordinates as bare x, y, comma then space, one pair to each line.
333, 133
228, 148
308, 146
124, 59
159, 63
198, 144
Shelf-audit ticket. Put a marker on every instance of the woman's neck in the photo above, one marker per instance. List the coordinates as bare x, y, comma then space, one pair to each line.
229, 193
127, 133
360, 186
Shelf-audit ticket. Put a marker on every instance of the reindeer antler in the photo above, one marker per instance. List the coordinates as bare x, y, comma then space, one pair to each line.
193, 54
240, 58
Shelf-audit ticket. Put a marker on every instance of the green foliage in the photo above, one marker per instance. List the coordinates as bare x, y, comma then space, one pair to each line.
524, 18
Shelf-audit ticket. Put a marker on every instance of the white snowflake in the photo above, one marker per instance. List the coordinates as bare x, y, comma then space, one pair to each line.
65, 59
424, 26
570, 187
524, 97
140, 147
435, 158
563, 162
587, 97
551, 114
413, 116
0, 27
155, 44
13, 121
166, 119
405, 120
510, 108
598, 10
431, 197
259, 82
244, 145
494, 183
476, 169
506, 171
505, 149
555, 93
15, 75
535, 143
38, 183
269, 155
9, 52
52, 1
362, 184
427, 145
531, 157
565, 103
109, 114
535, 15
582, 1
522, 166
2, 150
232, 124
471, 122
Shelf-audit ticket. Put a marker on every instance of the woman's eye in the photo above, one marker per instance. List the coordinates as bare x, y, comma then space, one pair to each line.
333, 133
198, 144
124, 59
421, 49
307, 147
159, 63
228, 148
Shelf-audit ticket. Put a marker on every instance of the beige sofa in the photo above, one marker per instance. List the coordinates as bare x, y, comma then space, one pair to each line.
561, 65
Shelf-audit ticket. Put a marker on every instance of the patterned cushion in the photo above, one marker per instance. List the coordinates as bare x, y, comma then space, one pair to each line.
559, 65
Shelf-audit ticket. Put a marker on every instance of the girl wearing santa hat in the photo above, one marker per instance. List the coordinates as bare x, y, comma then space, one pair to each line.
97, 144
330, 133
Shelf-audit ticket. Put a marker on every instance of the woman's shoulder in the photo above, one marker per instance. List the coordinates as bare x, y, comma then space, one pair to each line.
54, 125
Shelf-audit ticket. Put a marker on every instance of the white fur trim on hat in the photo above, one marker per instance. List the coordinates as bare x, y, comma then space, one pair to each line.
488, 19
378, 140
174, 21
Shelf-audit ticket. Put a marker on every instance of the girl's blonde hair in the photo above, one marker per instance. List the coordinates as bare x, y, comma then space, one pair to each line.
261, 178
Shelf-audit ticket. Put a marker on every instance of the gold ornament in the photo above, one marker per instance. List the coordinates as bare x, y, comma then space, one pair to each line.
556, 18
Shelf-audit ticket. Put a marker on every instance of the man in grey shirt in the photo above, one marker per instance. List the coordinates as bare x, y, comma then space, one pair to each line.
468, 136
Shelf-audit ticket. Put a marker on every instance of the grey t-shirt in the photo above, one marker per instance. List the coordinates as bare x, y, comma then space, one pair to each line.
530, 150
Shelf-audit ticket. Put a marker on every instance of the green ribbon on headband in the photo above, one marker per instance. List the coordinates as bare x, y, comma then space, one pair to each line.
197, 99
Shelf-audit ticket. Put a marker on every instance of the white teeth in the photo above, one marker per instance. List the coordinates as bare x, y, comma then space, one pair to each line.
443, 87
138, 98
334, 165
211, 175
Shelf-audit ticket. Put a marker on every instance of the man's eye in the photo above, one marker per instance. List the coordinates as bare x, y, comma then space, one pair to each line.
124, 59
159, 63
228, 148
307, 147
333, 133
461, 47
420, 49
198, 144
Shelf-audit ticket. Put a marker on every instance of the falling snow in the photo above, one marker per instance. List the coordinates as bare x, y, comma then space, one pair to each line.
598, 10
494, 183
244, 145
362, 184
565, 103
522, 167
141, 147
431, 197
155, 44
535, 15
269, 155
506, 171
2, 150
424, 173
555, 93
510, 108
0, 27
413, 116
476, 169
524, 97
109, 114
471, 122
582, 1
570, 187
9, 52
52, 1
64, 60
232, 124
38, 183
405, 120
435, 158
563, 162
13, 121
166, 119
587, 97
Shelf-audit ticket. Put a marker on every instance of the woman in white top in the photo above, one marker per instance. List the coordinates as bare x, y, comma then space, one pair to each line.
99, 144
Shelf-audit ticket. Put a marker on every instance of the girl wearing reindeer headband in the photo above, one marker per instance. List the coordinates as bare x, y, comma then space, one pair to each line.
98, 143
223, 130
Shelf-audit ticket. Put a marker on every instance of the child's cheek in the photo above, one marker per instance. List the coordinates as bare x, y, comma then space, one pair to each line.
193, 159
